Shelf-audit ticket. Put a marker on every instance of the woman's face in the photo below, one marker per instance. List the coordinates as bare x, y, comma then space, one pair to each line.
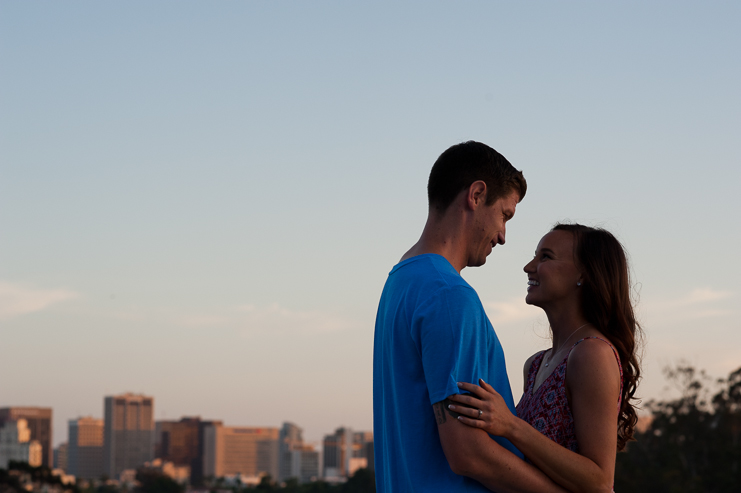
552, 274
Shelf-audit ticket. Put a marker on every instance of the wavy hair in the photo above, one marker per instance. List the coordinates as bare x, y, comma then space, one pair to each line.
605, 296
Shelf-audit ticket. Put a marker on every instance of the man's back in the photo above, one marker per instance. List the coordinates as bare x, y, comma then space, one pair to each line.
431, 332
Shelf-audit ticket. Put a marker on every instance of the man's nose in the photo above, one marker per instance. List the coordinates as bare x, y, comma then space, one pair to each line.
500, 237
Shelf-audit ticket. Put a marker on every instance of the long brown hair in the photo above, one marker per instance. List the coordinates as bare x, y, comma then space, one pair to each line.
605, 296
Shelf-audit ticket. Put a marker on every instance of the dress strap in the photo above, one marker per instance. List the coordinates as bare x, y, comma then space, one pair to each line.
532, 372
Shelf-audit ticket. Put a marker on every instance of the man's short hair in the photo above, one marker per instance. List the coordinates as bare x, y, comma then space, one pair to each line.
462, 164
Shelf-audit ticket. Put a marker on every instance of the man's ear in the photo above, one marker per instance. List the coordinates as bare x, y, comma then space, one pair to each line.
476, 194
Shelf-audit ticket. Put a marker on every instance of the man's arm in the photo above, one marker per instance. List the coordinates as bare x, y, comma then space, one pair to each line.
471, 452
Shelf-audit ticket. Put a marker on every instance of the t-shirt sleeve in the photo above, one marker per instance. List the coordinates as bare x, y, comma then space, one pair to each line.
451, 336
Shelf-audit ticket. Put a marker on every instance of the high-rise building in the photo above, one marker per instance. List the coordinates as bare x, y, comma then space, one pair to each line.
290, 438
197, 468
238, 450
347, 451
39, 422
60, 457
128, 438
301, 463
85, 449
16, 444
177, 441
181, 443
296, 459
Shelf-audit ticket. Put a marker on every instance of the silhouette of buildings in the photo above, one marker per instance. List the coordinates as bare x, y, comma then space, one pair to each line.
128, 438
85, 448
60, 457
297, 459
181, 443
39, 423
346, 451
16, 444
245, 451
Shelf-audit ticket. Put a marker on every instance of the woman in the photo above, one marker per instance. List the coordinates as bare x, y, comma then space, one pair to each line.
572, 423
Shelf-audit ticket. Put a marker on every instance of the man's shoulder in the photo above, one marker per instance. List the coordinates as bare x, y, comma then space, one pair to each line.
428, 283
427, 268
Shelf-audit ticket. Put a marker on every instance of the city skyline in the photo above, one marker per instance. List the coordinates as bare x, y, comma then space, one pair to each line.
202, 202
189, 449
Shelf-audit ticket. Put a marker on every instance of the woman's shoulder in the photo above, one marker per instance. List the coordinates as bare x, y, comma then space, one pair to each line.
592, 349
593, 357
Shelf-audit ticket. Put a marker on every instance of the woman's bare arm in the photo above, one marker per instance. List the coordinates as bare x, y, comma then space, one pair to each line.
593, 386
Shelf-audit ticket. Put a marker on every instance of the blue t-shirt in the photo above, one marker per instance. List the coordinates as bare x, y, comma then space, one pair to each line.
431, 332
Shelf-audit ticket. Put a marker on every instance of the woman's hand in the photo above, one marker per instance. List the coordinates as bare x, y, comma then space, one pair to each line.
487, 410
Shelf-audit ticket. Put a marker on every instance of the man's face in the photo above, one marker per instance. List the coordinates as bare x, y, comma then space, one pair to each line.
490, 227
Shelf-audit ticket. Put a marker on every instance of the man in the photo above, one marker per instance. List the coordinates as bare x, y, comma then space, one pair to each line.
432, 332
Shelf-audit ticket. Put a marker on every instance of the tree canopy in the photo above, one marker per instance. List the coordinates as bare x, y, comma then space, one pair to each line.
693, 443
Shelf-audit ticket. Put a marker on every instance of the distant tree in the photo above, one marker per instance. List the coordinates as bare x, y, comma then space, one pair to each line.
292, 486
266, 484
693, 444
42, 474
10, 480
363, 481
155, 482
104, 488
318, 487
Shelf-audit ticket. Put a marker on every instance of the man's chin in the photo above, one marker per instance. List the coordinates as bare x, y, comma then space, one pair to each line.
476, 262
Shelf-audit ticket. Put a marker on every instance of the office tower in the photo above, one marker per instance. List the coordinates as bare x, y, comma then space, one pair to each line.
239, 450
290, 439
39, 422
346, 451
297, 459
334, 446
302, 463
370, 455
180, 442
128, 438
196, 468
16, 444
85, 449
60, 457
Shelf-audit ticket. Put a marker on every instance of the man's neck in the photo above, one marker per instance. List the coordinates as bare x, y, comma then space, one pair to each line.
442, 237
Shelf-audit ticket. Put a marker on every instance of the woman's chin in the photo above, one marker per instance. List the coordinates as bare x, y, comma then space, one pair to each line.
530, 300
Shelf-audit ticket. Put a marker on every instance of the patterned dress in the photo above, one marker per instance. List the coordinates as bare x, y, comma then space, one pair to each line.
547, 409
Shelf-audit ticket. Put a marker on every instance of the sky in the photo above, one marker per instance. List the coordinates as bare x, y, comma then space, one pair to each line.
201, 201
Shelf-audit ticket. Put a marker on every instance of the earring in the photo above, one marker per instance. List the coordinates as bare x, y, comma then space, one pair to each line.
578, 283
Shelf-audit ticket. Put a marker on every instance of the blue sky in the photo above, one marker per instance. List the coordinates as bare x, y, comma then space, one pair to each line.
201, 201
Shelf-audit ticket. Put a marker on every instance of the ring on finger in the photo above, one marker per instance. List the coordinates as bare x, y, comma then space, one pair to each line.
480, 413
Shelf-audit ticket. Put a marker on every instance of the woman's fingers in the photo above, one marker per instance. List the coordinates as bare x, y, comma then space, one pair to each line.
474, 389
487, 387
471, 422
466, 399
474, 413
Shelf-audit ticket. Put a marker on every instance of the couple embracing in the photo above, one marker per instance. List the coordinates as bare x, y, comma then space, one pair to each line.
444, 414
